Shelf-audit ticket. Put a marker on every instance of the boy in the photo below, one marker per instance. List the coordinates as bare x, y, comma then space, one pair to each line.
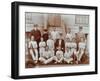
59, 56
33, 49
42, 46
67, 56
47, 57
82, 46
50, 43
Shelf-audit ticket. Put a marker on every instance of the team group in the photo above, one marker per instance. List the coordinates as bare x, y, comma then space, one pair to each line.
53, 47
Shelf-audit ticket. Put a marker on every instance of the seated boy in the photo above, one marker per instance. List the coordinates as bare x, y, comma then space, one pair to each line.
59, 56
67, 56
47, 57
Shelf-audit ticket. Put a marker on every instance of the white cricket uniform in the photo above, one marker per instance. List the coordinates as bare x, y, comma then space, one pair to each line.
42, 46
48, 54
54, 35
50, 43
47, 57
73, 47
59, 56
82, 46
33, 46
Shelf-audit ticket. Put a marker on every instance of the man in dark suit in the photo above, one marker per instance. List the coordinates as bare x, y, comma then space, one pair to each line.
45, 35
60, 44
36, 33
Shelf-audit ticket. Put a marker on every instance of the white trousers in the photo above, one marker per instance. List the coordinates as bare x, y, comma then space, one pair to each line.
41, 51
46, 61
80, 55
34, 54
58, 60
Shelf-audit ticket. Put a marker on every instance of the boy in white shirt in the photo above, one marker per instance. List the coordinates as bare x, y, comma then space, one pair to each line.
47, 57
54, 34
68, 43
69, 35
67, 56
42, 46
33, 49
50, 43
59, 56
82, 46
73, 46
75, 51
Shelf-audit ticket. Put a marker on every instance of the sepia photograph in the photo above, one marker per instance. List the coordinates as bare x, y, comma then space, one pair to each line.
53, 39
50, 40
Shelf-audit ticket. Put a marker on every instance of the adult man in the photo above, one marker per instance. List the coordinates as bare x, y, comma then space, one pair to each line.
36, 33
45, 35
67, 56
33, 49
60, 43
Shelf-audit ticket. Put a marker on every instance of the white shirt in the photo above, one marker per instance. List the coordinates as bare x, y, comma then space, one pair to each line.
59, 54
55, 35
48, 54
42, 47
32, 44
82, 45
67, 54
50, 43
70, 45
42, 44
